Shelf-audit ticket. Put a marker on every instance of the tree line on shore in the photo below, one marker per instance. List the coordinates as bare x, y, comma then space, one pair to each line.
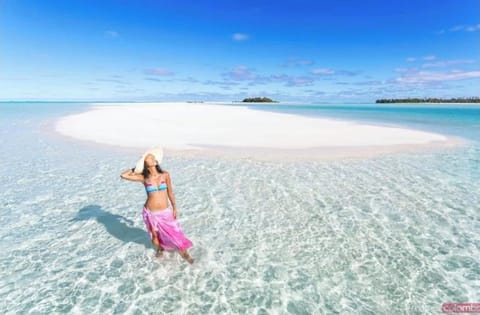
258, 100
430, 100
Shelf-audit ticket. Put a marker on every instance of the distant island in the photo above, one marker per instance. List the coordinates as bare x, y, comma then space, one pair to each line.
259, 100
430, 100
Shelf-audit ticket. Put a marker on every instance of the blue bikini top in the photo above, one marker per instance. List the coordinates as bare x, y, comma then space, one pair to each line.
150, 188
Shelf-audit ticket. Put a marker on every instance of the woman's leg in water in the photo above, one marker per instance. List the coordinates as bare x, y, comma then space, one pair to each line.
156, 243
186, 256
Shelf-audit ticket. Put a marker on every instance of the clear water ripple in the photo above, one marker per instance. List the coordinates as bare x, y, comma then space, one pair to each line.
397, 234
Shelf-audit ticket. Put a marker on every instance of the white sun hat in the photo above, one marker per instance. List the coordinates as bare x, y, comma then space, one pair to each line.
157, 152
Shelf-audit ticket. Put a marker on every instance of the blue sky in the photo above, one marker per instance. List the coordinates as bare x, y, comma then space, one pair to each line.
304, 51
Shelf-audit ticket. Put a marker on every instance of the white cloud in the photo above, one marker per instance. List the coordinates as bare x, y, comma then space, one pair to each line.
457, 28
323, 71
428, 76
473, 28
305, 62
246, 75
240, 73
401, 69
159, 71
112, 34
426, 58
447, 63
240, 37
299, 81
295, 62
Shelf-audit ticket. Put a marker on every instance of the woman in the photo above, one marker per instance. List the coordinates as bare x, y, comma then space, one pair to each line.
160, 218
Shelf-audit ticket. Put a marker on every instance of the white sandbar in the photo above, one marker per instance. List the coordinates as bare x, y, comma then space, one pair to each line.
199, 126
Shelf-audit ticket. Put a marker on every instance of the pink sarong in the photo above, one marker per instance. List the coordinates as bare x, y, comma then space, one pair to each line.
169, 232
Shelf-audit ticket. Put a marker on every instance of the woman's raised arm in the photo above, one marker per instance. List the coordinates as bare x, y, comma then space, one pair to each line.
131, 175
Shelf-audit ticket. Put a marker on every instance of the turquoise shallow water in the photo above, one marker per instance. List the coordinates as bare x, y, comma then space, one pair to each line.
397, 234
453, 119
